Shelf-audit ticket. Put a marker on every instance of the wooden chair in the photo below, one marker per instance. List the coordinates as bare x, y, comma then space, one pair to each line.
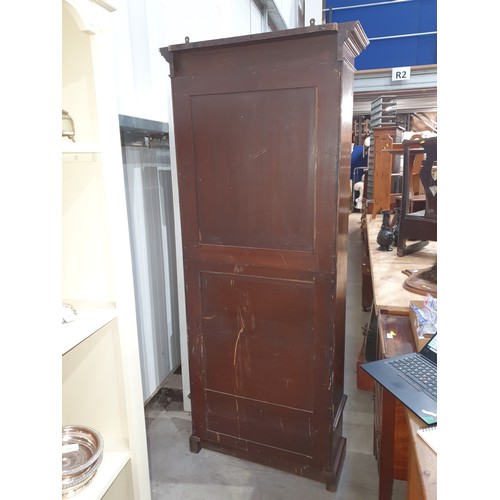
416, 194
420, 226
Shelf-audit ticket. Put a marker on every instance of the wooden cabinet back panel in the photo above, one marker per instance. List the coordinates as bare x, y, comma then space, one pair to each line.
263, 172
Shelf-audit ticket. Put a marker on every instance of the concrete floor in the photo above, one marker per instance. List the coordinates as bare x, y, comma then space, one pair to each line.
176, 473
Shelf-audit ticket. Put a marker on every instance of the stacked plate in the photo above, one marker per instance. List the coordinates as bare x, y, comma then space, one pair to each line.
82, 450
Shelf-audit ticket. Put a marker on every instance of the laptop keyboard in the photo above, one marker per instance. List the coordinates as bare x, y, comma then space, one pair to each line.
419, 371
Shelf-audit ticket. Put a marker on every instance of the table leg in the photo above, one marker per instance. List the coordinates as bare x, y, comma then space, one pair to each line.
386, 466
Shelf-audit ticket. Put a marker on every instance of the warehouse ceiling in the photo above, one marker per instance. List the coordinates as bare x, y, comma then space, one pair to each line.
417, 94
416, 101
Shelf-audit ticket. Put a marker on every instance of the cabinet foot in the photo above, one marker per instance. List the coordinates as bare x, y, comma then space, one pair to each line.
194, 444
333, 481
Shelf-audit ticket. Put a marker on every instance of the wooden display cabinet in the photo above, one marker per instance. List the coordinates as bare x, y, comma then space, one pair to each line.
263, 138
100, 359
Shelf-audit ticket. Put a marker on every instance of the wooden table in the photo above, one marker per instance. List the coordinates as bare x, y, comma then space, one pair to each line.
387, 270
422, 464
401, 453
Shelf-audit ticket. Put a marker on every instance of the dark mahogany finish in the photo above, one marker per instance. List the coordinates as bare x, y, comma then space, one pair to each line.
263, 143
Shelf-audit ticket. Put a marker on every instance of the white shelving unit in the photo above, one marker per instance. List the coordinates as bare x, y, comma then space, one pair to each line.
76, 148
101, 377
89, 322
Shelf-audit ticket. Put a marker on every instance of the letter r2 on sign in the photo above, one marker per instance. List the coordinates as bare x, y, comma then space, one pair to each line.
402, 73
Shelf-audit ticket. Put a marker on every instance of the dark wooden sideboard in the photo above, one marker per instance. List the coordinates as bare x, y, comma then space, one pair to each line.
262, 127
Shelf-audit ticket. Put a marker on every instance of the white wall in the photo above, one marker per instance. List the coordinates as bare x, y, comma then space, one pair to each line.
289, 11
313, 10
142, 27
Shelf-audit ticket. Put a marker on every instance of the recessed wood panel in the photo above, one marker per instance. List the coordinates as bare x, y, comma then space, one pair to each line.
270, 425
258, 338
255, 167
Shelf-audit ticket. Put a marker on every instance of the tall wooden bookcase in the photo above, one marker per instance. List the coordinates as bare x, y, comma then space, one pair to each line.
384, 165
262, 126
101, 377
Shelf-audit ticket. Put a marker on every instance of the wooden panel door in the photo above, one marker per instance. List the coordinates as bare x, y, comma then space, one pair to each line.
263, 140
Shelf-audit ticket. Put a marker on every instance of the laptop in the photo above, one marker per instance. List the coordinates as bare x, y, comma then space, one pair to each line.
411, 378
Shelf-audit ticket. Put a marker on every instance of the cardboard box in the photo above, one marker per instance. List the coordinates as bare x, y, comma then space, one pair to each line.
419, 342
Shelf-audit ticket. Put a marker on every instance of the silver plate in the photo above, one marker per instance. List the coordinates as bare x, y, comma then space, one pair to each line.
82, 447
72, 485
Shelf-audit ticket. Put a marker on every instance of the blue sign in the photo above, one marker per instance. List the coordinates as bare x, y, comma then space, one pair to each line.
401, 32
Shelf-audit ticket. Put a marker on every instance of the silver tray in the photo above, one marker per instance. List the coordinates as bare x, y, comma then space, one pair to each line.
82, 448
72, 485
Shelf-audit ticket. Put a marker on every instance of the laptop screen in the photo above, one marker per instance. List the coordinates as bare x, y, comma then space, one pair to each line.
430, 349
